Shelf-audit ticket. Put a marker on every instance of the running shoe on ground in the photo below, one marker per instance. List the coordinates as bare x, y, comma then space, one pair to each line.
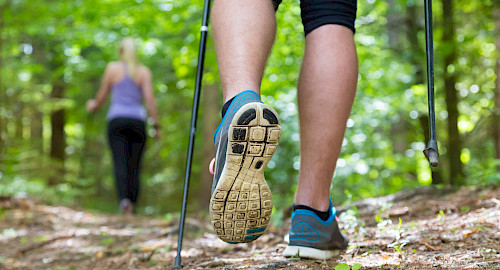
314, 238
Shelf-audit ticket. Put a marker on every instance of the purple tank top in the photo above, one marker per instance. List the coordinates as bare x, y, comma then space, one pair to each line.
126, 100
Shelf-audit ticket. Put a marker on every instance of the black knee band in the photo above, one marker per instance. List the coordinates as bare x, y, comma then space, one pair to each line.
316, 13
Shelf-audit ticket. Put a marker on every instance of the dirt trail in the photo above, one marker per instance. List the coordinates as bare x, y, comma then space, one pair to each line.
439, 229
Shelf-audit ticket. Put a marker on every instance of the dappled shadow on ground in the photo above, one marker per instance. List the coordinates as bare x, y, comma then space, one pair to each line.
419, 229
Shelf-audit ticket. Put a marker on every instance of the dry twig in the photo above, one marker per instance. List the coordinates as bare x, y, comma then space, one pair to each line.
41, 244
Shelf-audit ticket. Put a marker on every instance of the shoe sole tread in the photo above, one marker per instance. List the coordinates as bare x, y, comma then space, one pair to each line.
310, 253
241, 204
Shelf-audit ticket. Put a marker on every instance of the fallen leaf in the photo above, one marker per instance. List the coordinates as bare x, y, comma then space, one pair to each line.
431, 247
467, 234
147, 248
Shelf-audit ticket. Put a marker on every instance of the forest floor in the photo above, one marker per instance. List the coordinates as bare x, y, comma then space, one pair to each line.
426, 228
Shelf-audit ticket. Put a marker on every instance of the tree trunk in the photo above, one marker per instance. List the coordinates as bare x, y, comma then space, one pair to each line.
57, 115
454, 142
393, 25
57, 142
19, 113
398, 129
417, 56
57, 121
496, 109
36, 130
36, 120
211, 101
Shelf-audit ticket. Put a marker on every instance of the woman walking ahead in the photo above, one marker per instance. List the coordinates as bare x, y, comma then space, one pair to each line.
130, 83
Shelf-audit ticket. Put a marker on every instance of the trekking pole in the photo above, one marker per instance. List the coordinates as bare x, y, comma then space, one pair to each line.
194, 114
431, 153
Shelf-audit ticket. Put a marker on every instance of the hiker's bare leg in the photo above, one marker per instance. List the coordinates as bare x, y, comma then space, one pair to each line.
326, 90
243, 34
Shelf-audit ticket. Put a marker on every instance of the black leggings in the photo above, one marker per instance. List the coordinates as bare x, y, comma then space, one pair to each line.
126, 138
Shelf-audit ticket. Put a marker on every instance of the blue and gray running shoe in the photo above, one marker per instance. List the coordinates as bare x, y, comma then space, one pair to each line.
245, 141
314, 238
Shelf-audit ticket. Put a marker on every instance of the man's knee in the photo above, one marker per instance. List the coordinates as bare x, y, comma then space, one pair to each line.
316, 13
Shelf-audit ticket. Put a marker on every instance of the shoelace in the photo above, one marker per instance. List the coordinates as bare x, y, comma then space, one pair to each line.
211, 166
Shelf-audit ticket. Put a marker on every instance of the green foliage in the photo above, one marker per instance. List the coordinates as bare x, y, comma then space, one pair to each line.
41, 238
107, 241
294, 258
381, 210
343, 266
23, 240
45, 46
356, 266
440, 216
64, 268
399, 244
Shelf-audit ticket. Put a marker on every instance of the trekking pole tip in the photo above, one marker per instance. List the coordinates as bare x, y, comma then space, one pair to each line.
432, 153
433, 158
177, 264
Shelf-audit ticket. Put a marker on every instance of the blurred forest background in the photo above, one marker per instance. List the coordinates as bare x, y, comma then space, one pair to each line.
53, 54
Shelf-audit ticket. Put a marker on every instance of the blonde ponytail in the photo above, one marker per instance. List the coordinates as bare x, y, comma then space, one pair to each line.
128, 55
